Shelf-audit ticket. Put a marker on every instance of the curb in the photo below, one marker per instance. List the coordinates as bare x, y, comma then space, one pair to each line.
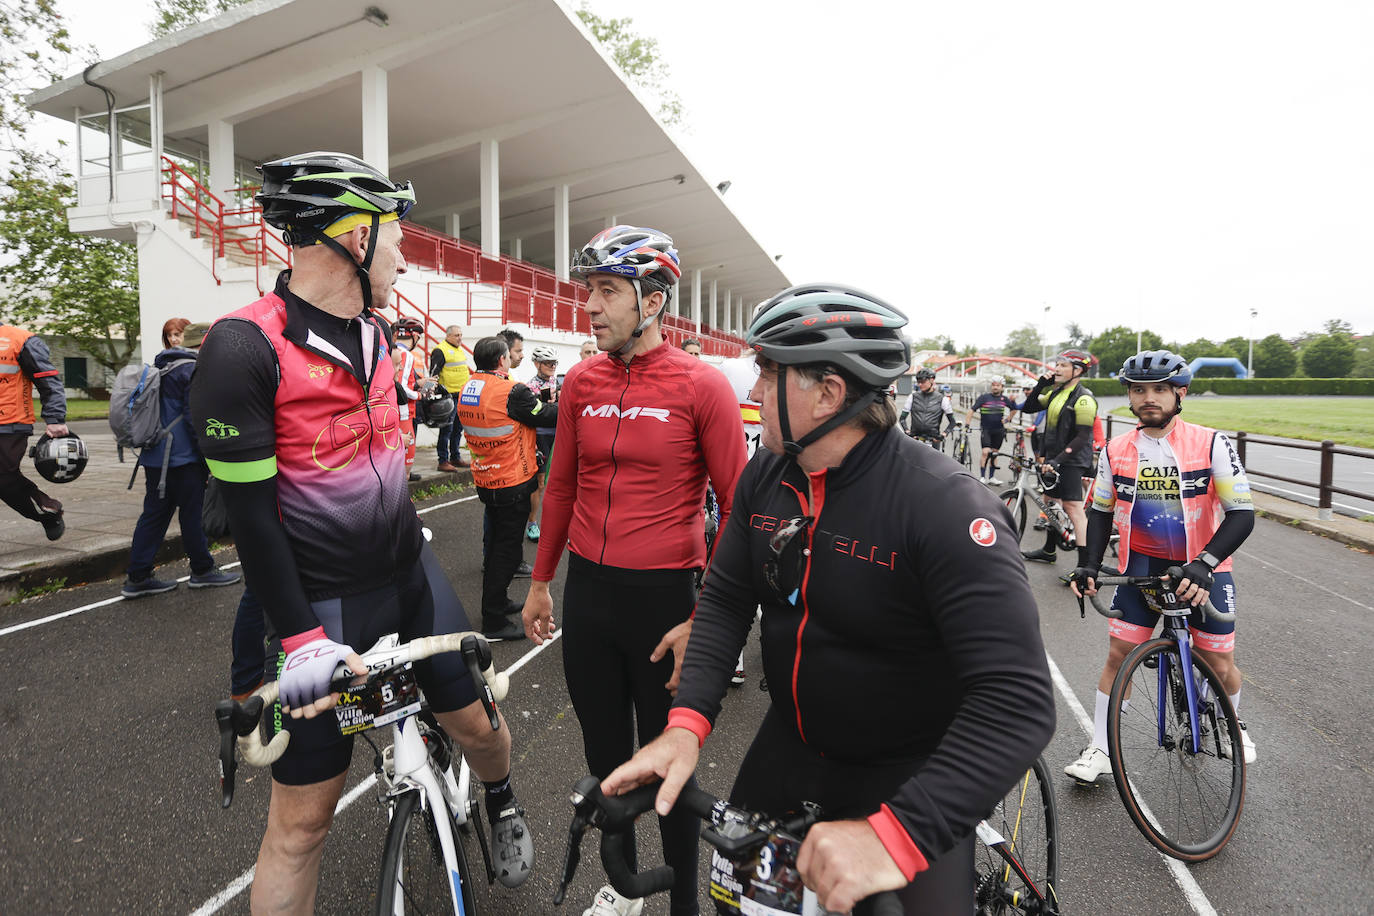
110, 562
1348, 538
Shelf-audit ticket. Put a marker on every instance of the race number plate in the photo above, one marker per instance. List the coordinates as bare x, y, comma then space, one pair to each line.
393, 696
770, 884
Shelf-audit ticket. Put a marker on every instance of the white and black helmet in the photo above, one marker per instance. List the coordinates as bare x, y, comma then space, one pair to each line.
60, 459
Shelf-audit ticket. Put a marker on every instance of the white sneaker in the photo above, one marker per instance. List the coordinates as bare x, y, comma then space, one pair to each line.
609, 903
1092, 763
1247, 744
738, 677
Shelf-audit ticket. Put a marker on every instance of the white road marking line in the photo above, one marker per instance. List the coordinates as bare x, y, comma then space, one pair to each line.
243, 881
118, 598
1263, 562
1192, 892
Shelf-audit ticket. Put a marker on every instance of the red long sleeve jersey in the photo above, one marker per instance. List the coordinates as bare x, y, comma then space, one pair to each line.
635, 446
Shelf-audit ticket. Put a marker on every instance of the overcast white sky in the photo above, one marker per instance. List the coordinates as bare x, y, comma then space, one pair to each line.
1169, 165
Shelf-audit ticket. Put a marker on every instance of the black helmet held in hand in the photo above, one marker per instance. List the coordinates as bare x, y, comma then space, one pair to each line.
60, 459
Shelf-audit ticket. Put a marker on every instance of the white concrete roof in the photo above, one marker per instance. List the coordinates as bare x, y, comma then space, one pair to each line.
286, 74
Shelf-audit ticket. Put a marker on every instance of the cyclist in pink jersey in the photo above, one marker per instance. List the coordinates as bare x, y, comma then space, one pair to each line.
641, 427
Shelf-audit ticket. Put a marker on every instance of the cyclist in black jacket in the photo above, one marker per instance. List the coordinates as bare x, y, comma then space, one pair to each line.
900, 639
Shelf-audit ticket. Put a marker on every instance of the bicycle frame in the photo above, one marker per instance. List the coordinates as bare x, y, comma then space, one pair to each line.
1176, 628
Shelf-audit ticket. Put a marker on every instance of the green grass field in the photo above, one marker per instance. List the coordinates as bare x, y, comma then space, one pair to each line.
1346, 420
80, 409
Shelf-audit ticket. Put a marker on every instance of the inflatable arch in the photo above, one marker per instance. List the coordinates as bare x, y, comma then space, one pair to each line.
1225, 362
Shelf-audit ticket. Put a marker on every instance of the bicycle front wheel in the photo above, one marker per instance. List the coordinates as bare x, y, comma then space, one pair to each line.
1023, 875
1185, 802
414, 876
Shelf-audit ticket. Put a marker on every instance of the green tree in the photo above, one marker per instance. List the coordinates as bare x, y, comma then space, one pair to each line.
1078, 337
56, 281
1024, 342
1113, 346
1274, 357
634, 54
1338, 326
175, 15
36, 45
1329, 356
1364, 358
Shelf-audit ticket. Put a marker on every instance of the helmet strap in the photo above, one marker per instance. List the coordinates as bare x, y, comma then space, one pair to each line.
644, 321
301, 233
794, 449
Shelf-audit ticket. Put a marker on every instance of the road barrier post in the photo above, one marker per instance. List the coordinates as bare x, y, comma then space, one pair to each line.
1324, 488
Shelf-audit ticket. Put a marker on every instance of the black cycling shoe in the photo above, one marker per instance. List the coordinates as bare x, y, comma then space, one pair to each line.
512, 847
504, 631
1040, 556
524, 571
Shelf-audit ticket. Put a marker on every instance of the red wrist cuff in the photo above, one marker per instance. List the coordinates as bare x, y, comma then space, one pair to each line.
897, 842
292, 643
691, 720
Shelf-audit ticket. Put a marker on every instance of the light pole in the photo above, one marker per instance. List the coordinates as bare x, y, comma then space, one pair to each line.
1250, 363
1044, 339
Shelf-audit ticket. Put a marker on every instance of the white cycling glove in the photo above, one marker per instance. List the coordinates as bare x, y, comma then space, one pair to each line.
309, 668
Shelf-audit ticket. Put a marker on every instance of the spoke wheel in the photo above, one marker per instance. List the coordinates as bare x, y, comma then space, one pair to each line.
1186, 803
1015, 501
1028, 820
414, 878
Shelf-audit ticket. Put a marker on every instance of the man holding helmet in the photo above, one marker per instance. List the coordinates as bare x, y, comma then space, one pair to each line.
24, 363
296, 396
1067, 449
1147, 487
641, 427
812, 528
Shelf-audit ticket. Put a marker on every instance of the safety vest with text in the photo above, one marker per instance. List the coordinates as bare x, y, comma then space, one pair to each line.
503, 449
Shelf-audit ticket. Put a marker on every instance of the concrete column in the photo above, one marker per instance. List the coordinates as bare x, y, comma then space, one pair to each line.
696, 300
452, 224
517, 249
562, 251
376, 146
155, 129
221, 157
712, 319
728, 314
491, 197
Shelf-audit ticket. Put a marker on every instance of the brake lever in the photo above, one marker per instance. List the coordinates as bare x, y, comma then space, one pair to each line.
583, 809
476, 659
235, 720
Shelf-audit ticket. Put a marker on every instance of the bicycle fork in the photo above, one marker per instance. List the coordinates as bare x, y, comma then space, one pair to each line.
412, 765
1185, 661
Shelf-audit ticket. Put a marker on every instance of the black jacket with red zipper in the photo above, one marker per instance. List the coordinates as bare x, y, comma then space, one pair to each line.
914, 635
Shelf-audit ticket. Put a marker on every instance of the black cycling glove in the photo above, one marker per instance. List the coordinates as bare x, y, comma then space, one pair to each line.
1197, 572
1082, 574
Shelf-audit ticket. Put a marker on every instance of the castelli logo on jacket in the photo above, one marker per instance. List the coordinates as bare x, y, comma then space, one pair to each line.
629, 413
982, 532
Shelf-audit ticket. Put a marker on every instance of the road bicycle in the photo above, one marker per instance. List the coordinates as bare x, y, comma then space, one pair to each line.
424, 783
1032, 480
961, 452
753, 867
1175, 743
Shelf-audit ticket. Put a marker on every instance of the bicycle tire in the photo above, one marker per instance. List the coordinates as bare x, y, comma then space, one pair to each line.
1154, 778
1028, 818
1016, 505
413, 863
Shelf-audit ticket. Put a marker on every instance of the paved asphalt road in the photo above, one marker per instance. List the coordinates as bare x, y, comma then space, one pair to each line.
112, 805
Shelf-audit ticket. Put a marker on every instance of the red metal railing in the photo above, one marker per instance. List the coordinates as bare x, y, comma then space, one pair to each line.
524, 293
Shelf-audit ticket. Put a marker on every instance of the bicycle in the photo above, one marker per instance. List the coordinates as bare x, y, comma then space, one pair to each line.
936, 441
962, 453
424, 864
1178, 758
1023, 491
754, 869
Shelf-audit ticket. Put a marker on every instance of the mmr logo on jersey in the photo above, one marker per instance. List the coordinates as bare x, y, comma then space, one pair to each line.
629, 413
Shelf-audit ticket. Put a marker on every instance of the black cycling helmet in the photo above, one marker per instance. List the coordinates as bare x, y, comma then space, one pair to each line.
827, 324
924, 374
830, 324
1080, 359
436, 407
61, 459
1156, 366
407, 327
304, 195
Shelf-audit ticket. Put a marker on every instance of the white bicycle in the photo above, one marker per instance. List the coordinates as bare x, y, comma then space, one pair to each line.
430, 807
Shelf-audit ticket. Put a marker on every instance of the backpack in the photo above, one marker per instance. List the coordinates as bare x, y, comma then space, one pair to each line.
136, 414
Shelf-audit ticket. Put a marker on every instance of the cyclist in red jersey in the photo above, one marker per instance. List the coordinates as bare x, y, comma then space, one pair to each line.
640, 427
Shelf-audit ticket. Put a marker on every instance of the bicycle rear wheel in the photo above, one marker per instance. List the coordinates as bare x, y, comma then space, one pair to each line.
414, 876
1186, 804
1027, 819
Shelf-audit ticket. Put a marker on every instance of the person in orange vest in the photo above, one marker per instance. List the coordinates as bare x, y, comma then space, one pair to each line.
499, 417
25, 363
